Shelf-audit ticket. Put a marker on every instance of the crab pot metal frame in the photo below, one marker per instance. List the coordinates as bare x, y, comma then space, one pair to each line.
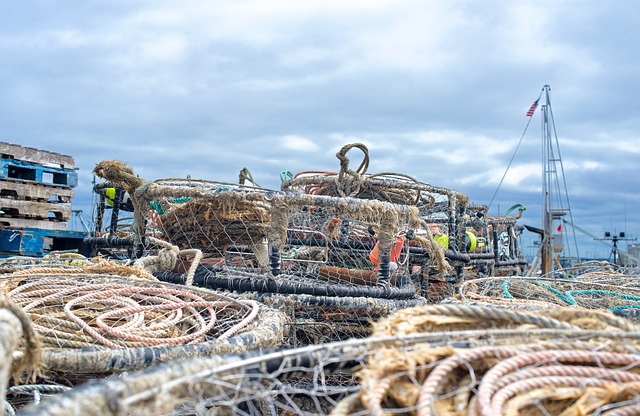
483, 257
509, 260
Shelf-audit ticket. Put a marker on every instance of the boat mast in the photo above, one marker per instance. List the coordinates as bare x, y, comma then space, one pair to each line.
547, 220
554, 205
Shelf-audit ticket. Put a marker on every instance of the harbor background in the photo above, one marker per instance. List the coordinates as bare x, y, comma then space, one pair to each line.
437, 90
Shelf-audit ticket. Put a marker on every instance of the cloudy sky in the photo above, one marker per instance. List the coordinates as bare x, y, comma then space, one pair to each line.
436, 89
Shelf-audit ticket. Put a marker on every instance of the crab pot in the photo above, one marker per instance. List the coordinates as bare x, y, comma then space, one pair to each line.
440, 214
228, 223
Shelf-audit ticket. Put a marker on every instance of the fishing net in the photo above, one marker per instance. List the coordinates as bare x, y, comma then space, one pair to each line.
99, 323
420, 361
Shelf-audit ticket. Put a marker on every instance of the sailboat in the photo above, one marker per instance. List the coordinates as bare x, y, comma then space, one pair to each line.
553, 255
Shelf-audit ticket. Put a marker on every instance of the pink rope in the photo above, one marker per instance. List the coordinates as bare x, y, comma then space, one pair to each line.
491, 379
114, 314
431, 385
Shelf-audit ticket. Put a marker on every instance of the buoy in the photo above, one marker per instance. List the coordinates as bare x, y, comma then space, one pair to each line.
442, 239
470, 241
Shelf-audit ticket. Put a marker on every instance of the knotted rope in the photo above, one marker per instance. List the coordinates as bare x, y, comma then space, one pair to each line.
167, 258
349, 182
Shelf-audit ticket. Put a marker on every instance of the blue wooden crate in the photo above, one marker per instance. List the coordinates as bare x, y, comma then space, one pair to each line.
36, 242
46, 175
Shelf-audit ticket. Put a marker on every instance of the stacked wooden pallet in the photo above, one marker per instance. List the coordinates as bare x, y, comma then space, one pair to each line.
36, 187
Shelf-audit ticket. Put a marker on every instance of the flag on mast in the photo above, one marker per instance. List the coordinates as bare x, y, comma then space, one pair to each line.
533, 107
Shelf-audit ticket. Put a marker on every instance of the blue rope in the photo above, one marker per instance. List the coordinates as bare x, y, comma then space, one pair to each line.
567, 297
505, 290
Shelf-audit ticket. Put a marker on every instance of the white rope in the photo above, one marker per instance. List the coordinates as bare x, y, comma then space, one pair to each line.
167, 258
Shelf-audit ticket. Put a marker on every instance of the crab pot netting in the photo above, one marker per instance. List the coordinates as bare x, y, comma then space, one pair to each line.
520, 363
93, 324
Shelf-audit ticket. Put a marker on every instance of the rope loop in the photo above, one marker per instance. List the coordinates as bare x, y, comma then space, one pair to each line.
349, 182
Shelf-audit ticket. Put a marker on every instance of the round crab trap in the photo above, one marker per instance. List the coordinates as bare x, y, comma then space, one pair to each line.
554, 365
441, 214
504, 233
228, 223
97, 323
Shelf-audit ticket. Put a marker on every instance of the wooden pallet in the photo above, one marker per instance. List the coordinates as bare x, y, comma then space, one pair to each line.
32, 155
35, 210
22, 191
10, 222
38, 242
33, 173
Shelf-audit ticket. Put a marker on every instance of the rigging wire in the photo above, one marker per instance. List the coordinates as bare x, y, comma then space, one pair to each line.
512, 156
564, 179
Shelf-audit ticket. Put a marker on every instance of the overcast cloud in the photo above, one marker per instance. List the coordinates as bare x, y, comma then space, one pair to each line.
436, 89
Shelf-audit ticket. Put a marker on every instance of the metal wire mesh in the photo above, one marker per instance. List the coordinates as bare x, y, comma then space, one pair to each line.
540, 370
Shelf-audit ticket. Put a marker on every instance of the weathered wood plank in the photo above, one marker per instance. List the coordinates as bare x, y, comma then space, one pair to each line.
31, 223
33, 155
35, 209
34, 191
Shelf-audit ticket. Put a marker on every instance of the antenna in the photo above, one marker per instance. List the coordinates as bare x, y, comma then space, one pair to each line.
614, 238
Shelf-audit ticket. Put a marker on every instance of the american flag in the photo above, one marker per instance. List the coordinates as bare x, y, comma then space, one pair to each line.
533, 107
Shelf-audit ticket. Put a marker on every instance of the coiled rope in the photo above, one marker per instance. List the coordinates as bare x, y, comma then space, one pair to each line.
503, 375
73, 313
